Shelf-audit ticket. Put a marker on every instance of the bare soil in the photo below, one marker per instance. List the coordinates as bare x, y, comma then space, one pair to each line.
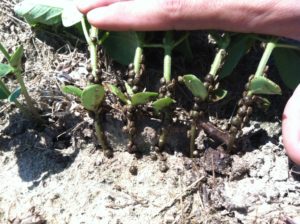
57, 174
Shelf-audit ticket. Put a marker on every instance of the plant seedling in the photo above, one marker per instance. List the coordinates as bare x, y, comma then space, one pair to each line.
132, 101
91, 98
14, 66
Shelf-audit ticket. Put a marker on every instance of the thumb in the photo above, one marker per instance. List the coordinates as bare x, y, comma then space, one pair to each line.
291, 127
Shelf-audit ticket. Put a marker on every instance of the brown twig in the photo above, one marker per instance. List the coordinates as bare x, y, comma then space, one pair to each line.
214, 132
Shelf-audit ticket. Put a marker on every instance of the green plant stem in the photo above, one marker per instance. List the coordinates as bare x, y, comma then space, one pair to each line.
103, 38
85, 31
164, 130
217, 63
153, 45
293, 47
138, 59
180, 40
4, 52
93, 51
17, 103
192, 138
167, 64
26, 112
168, 47
28, 99
265, 58
99, 133
92, 45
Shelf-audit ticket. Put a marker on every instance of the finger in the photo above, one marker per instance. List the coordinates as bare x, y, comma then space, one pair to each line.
85, 6
149, 15
291, 126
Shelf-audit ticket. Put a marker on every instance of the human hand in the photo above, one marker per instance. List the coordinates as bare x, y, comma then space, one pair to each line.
273, 17
291, 126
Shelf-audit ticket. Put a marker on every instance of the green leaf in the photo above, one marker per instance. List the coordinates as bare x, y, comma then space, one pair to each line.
115, 90
219, 94
263, 85
121, 46
3, 94
5, 69
75, 91
162, 103
288, 64
15, 59
195, 85
143, 97
128, 89
237, 48
14, 95
46, 12
92, 96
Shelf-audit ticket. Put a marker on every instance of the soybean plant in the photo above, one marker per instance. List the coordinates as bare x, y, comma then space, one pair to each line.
131, 102
207, 91
167, 84
14, 66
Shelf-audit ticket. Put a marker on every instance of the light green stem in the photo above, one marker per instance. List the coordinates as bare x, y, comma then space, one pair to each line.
85, 31
92, 45
265, 58
168, 44
138, 59
103, 38
167, 64
217, 63
24, 91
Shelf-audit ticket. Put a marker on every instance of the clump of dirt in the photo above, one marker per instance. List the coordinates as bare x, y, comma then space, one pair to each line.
57, 174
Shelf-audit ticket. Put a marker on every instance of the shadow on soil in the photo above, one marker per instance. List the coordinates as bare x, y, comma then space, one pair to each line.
39, 153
